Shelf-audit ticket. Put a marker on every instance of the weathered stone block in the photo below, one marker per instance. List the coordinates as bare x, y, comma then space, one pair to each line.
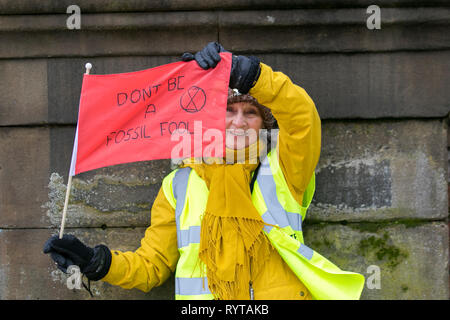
117, 21
334, 38
411, 259
23, 92
381, 85
120, 195
89, 43
356, 15
24, 167
28, 7
381, 171
27, 273
171, 32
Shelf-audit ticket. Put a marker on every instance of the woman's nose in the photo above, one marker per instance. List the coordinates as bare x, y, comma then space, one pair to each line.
239, 120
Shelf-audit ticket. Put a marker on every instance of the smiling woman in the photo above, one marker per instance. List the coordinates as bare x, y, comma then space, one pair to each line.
244, 119
233, 231
243, 122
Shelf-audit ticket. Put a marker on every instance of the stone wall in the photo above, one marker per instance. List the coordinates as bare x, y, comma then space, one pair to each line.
382, 179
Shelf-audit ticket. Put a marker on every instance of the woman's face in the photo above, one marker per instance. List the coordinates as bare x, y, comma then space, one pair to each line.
243, 122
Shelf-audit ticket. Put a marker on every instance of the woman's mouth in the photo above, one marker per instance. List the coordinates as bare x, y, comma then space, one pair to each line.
238, 133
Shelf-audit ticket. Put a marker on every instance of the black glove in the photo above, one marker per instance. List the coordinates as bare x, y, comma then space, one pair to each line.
93, 262
244, 70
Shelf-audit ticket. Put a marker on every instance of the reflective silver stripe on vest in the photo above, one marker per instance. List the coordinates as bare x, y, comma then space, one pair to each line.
191, 286
268, 219
185, 237
186, 286
305, 251
275, 213
179, 187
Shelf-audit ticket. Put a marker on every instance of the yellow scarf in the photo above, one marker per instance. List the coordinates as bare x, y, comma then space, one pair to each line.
232, 239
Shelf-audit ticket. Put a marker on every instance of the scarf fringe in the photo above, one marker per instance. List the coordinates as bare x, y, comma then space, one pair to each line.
256, 245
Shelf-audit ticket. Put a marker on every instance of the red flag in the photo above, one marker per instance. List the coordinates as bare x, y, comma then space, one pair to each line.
130, 117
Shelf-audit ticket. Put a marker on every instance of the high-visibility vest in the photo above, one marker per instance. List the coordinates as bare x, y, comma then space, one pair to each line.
188, 195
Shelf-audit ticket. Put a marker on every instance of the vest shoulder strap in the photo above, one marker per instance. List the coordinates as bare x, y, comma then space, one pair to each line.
174, 185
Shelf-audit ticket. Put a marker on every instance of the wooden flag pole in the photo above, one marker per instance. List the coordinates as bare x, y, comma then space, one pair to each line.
66, 202
69, 182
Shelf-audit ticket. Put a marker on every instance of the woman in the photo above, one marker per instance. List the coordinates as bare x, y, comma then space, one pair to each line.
232, 230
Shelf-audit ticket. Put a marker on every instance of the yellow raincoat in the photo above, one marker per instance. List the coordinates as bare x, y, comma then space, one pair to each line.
299, 148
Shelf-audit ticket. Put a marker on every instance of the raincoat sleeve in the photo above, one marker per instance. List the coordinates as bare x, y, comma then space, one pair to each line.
299, 136
153, 262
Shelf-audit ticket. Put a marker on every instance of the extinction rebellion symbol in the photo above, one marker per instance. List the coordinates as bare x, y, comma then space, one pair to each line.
193, 100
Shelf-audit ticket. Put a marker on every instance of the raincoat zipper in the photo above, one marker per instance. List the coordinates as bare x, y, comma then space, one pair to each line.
252, 294
250, 283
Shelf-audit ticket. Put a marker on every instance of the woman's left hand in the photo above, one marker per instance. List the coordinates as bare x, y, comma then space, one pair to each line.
206, 58
244, 70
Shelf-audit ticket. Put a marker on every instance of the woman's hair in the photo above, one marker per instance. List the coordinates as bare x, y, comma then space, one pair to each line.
234, 96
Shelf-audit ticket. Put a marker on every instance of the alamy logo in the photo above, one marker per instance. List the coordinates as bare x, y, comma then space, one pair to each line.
374, 280
74, 20
374, 20
74, 280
